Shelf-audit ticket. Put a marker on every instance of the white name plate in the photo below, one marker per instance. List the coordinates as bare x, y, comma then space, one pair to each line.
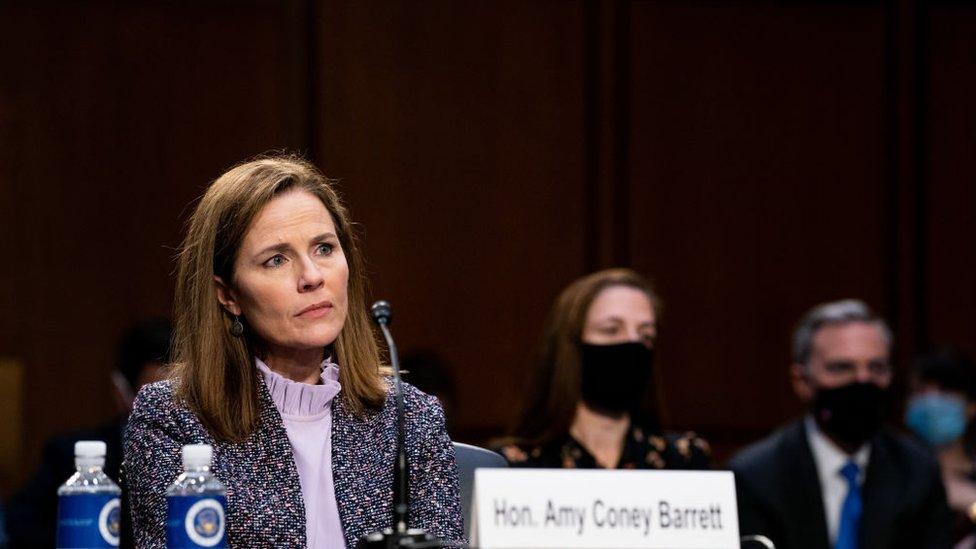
534, 508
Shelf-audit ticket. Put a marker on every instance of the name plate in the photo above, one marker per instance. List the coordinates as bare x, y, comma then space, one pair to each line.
534, 508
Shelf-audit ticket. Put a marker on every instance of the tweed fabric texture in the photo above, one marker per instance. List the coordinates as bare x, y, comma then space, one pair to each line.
264, 500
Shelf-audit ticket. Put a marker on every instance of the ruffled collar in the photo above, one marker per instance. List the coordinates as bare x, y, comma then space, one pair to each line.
295, 398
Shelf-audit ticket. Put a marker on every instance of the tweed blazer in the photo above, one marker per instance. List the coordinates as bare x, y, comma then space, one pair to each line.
264, 499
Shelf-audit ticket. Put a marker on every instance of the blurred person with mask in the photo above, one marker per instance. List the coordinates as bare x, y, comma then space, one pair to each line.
940, 409
593, 399
143, 353
837, 478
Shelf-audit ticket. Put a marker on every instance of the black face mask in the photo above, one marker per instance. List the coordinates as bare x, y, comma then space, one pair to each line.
852, 413
615, 377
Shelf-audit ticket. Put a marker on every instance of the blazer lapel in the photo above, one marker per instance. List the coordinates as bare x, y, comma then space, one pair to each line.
804, 500
264, 480
362, 470
882, 485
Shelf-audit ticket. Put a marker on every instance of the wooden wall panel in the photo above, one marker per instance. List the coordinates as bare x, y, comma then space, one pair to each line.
751, 157
113, 117
949, 171
756, 189
457, 130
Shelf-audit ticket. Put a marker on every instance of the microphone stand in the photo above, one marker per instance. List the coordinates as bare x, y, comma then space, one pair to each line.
399, 535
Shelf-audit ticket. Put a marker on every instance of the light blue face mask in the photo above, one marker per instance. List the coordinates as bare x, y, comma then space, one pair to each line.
936, 417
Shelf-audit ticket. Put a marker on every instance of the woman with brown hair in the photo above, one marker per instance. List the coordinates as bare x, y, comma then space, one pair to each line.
276, 367
593, 400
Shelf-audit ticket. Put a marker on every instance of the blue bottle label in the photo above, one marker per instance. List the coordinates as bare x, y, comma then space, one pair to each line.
196, 521
89, 520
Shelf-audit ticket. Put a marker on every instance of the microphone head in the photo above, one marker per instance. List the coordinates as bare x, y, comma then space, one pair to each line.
382, 312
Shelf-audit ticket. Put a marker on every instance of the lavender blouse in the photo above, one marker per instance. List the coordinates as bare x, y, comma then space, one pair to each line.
306, 411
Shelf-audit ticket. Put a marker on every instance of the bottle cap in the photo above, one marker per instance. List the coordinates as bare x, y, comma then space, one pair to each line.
90, 449
197, 455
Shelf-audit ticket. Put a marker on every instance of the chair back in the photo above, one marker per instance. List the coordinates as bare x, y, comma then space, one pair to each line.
470, 458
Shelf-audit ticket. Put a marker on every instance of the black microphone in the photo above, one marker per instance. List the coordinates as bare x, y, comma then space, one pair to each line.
398, 535
382, 313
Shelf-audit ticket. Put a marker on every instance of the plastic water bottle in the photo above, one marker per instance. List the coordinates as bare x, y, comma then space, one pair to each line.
195, 503
89, 511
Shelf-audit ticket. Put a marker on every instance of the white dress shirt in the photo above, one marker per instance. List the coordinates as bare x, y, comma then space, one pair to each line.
829, 460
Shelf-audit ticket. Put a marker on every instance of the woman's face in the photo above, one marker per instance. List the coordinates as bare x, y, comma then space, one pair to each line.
290, 275
620, 314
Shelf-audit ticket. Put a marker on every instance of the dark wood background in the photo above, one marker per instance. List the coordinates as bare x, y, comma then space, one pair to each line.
752, 157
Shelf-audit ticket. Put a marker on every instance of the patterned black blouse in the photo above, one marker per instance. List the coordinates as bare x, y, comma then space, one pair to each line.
641, 451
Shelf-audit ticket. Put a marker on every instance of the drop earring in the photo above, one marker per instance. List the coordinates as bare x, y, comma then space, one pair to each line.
237, 328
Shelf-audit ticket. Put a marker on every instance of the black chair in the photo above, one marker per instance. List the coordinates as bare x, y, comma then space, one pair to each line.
470, 458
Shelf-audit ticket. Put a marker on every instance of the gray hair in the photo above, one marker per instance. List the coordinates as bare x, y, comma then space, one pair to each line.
833, 313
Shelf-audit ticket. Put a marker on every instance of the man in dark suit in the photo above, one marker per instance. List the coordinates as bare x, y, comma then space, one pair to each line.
837, 478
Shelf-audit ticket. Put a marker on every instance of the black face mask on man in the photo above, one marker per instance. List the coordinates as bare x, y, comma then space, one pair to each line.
851, 413
615, 377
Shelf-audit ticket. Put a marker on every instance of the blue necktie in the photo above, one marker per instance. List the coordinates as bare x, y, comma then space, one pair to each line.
850, 513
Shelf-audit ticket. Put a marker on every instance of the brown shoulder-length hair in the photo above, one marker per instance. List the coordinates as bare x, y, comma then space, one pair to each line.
554, 384
214, 373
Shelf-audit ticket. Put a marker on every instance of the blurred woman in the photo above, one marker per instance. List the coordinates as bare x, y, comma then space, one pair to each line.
593, 399
276, 366
940, 411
